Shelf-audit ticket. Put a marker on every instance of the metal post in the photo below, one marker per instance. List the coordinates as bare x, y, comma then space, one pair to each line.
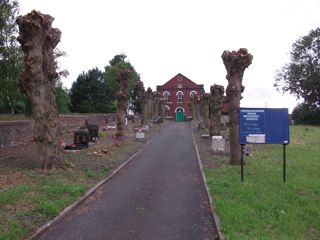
242, 147
284, 163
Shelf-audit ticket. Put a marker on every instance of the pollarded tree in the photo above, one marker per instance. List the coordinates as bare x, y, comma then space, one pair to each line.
301, 76
38, 40
117, 65
137, 97
88, 93
235, 63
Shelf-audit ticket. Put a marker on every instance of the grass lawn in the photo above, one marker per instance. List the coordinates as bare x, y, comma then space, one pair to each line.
263, 207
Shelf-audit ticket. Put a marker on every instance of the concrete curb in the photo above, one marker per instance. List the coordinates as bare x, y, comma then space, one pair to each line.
91, 191
215, 216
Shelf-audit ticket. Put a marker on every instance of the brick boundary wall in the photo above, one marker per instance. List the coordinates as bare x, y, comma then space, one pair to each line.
14, 133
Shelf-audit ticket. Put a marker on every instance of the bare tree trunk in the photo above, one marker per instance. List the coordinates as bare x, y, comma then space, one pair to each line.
162, 108
140, 98
193, 108
38, 40
122, 102
11, 106
156, 105
149, 107
216, 102
121, 113
235, 64
204, 111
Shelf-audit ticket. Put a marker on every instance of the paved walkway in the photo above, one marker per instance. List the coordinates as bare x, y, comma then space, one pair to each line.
159, 195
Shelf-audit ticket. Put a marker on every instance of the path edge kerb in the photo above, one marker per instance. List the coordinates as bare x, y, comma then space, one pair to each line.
40, 231
204, 179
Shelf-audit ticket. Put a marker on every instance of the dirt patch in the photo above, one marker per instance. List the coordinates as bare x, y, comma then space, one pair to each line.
208, 157
25, 157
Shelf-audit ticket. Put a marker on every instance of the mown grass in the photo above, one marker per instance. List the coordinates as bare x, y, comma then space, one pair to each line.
25, 206
263, 207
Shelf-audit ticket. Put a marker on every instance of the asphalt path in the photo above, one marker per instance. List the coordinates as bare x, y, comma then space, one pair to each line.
158, 195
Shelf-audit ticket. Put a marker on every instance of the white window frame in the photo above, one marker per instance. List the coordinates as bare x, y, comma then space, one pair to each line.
179, 95
193, 93
166, 96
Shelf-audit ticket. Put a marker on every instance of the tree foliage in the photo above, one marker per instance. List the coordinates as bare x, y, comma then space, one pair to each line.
11, 56
88, 93
304, 114
118, 64
63, 100
301, 76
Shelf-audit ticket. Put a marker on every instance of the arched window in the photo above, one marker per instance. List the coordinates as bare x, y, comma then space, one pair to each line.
179, 97
166, 111
166, 95
193, 93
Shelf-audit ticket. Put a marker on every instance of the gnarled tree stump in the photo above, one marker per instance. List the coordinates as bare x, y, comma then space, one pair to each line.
38, 40
216, 101
122, 101
235, 64
204, 110
140, 98
148, 104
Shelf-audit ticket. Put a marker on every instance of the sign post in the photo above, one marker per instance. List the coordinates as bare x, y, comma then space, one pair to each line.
284, 162
264, 126
242, 148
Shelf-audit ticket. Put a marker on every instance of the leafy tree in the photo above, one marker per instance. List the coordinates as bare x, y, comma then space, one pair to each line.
62, 97
11, 56
63, 100
301, 76
304, 114
89, 94
117, 64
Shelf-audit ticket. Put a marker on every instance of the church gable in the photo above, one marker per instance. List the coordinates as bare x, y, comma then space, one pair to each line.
179, 82
176, 94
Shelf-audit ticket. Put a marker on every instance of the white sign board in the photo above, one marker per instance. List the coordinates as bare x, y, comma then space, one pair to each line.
256, 138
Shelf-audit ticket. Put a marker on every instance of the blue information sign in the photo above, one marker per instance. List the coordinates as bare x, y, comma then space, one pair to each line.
263, 125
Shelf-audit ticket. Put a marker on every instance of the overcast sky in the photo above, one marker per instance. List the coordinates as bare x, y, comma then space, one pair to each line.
162, 38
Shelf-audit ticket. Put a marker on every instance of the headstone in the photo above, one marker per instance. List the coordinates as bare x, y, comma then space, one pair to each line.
140, 136
218, 144
93, 131
81, 138
248, 150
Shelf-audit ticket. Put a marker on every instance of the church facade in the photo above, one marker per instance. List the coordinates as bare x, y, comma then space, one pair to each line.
176, 94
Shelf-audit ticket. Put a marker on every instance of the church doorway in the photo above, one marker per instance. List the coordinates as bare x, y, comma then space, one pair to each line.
180, 114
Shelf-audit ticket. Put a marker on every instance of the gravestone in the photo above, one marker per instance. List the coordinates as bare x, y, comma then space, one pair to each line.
140, 136
93, 131
218, 144
81, 138
248, 150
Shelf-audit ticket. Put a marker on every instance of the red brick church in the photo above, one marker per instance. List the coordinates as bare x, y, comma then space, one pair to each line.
176, 94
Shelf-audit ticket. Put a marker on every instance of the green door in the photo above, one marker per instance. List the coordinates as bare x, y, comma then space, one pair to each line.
179, 116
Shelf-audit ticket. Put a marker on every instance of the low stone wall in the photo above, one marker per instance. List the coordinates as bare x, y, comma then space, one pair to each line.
14, 133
